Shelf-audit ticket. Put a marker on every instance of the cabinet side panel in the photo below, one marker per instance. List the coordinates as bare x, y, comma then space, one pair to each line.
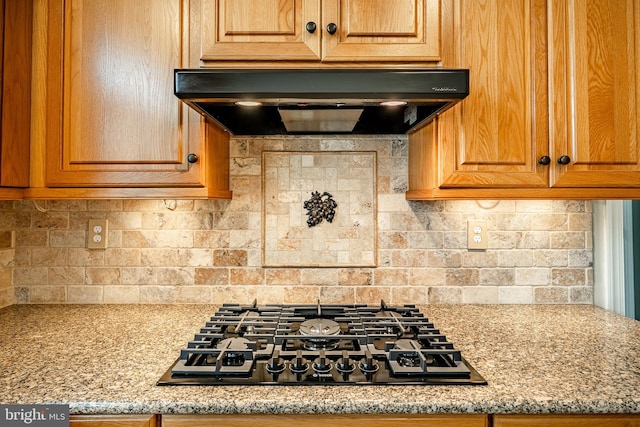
16, 93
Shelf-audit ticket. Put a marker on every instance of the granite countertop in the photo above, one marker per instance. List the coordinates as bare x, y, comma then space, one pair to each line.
106, 359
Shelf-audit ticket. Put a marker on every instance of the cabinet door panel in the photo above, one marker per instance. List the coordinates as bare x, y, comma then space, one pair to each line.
306, 420
381, 30
113, 421
119, 123
494, 137
260, 30
595, 63
592, 420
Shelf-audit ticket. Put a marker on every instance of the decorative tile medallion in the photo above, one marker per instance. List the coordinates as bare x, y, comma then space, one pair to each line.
319, 209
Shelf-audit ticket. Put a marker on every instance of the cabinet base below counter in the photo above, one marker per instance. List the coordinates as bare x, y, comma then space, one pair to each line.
308, 420
359, 420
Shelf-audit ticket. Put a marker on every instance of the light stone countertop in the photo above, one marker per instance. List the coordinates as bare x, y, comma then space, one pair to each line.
105, 359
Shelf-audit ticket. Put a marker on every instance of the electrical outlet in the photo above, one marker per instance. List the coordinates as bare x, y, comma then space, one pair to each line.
477, 234
97, 238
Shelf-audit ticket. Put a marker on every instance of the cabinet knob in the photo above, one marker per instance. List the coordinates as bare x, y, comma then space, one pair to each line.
192, 158
311, 27
544, 160
564, 160
332, 28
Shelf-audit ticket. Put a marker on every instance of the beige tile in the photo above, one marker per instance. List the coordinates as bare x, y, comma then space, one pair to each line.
497, 277
129, 257
67, 238
390, 277
230, 258
284, 276
444, 295
462, 276
193, 294
568, 276
480, 295
30, 276
427, 277
211, 276
47, 294
66, 275
184, 276
515, 295
121, 294
408, 295
550, 295
337, 295
84, 294
246, 276
372, 295
301, 294
102, 276
157, 294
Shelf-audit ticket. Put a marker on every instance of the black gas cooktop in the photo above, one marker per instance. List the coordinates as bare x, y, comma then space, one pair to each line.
320, 344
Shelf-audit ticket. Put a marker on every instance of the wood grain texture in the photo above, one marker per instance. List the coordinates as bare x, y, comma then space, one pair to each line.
16, 92
352, 420
423, 151
112, 119
113, 421
382, 30
573, 193
494, 136
374, 31
595, 58
612, 420
217, 162
267, 30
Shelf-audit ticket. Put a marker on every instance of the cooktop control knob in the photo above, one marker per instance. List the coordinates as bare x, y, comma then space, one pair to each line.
344, 364
322, 365
299, 364
368, 364
276, 364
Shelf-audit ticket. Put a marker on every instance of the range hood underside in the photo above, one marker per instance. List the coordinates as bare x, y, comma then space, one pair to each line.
268, 120
321, 101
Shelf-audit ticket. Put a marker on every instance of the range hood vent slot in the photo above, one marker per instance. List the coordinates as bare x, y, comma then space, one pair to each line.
321, 101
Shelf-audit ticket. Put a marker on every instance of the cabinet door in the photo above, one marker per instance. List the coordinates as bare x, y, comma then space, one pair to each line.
15, 94
112, 118
595, 88
112, 421
305, 420
494, 137
260, 30
381, 30
610, 420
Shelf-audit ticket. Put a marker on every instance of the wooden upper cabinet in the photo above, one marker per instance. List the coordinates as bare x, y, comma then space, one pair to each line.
381, 30
550, 82
300, 30
595, 64
494, 136
260, 30
15, 94
112, 117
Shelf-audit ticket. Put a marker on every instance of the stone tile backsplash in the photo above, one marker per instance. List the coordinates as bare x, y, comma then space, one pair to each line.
208, 251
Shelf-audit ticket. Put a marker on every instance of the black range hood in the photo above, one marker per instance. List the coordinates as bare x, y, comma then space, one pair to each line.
312, 101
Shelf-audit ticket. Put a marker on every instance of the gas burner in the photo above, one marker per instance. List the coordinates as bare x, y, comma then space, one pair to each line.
316, 333
315, 344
